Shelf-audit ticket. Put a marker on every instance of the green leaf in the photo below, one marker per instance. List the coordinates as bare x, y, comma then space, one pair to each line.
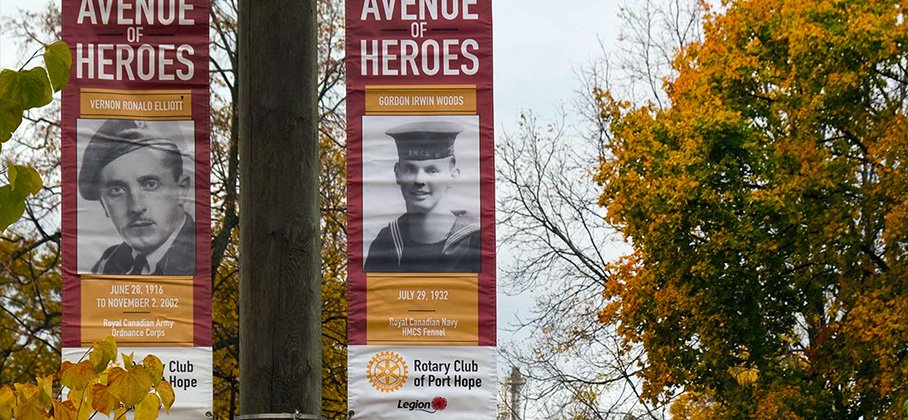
11, 207
25, 180
58, 59
10, 118
27, 88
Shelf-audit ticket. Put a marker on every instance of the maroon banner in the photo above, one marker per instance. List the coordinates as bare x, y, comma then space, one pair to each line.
135, 173
421, 208
445, 54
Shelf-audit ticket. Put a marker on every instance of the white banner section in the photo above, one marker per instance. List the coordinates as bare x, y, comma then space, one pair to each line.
454, 382
188, 369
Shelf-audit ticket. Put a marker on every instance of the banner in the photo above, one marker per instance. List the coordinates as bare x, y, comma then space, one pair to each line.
421, 208
135, 175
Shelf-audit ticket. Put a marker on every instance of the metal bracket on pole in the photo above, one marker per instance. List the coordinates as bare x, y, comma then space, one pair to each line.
269, 416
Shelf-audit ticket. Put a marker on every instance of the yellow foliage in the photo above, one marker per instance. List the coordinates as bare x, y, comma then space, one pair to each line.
65, 410
130, 386
45, 389
148, 408
104, 352
7, 402
744, 376
77, 376
154, 368
31, 411
693, 405
165, 391
94, 387
81, 400
101, 399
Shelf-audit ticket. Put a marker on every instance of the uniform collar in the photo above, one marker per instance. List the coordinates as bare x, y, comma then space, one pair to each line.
154, 257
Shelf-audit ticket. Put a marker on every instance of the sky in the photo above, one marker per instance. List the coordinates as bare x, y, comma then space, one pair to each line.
539, 46
9, 53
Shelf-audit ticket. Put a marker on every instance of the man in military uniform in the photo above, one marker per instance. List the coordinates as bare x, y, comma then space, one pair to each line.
138, 178
433, 235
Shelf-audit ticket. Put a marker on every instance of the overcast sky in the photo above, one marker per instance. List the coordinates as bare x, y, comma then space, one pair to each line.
538, 47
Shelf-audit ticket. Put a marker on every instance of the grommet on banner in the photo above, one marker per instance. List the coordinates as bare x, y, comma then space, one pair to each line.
268, 416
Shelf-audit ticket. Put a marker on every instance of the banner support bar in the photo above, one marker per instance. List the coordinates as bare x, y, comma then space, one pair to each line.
295, 416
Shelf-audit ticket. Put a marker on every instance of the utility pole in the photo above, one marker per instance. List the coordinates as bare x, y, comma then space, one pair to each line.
280, 276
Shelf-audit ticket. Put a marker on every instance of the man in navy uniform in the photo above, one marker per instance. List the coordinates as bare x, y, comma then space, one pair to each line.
434, 235
138, 178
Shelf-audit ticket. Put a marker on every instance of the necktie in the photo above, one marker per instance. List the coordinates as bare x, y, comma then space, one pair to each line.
139, 264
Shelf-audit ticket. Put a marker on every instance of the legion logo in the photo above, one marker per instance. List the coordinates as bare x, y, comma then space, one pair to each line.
437, 404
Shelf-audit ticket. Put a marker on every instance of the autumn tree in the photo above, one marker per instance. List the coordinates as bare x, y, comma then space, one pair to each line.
555, 242
766, 207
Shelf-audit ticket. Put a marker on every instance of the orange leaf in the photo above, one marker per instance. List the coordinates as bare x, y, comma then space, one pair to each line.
64, 410
102, 401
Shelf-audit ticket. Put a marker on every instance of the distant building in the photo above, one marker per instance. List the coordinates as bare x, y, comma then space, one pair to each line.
510, 400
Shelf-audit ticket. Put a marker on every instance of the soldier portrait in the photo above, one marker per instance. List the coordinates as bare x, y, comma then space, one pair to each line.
421, 195
136, 198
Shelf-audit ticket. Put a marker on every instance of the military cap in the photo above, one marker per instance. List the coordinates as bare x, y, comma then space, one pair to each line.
115, 138
425, 140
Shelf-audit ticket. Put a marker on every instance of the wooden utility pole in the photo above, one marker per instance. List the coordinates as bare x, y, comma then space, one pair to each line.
280, 276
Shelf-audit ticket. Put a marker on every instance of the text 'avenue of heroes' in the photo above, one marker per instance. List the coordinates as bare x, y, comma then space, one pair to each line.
134, 59
418, 55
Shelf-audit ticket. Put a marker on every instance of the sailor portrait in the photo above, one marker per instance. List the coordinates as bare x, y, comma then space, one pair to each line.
435, 234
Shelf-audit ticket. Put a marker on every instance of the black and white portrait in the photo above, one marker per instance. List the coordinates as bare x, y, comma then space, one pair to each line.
421, 194
135, 201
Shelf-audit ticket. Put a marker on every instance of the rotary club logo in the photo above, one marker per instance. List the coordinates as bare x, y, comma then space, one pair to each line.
387, 371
